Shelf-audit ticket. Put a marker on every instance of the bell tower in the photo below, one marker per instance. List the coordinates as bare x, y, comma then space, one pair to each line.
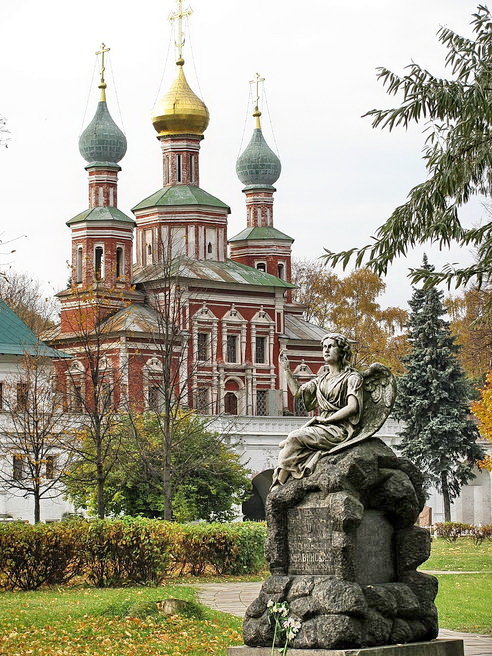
261, 245
102, 235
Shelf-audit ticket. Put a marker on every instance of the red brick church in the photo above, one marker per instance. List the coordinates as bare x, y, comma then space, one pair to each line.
235, 313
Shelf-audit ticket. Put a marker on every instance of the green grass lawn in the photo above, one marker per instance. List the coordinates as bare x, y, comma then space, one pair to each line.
112, 622
81, 621
462, 555
464, 602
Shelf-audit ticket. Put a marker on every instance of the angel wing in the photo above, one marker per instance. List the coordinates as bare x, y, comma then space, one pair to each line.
379, 396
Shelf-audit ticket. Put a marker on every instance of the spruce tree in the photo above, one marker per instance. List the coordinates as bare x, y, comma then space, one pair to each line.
439, 436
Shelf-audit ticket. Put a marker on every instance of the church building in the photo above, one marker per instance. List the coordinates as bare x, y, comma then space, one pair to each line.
229, 298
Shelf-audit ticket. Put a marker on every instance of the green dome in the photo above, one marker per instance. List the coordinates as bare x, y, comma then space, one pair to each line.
102, 140
258, 165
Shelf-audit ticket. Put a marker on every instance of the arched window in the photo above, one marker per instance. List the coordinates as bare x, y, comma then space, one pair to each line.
119, 262
261, 266
78, 264
99, 263
209, 247
281, 270
230, 403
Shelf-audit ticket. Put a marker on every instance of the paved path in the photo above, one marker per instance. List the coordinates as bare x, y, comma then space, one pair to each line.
234, 598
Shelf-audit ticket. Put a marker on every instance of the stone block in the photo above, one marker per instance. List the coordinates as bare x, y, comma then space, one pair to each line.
337, 631
374, 560
381, 599
423, 585
301, 587
336, 596
407, 602
377, 628
396, 496
431, 648
276, 585
413, 547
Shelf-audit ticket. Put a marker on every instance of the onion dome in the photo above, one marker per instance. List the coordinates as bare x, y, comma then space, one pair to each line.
258, 166
102, 141
180, 110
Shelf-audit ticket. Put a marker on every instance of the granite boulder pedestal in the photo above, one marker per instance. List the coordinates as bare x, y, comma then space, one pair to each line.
343, 551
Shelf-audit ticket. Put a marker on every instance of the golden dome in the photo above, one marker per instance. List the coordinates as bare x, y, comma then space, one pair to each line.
180, 111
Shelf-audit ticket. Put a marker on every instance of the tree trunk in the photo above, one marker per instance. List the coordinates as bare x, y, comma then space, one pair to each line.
167, 511
445, 497
101, 506
37, 506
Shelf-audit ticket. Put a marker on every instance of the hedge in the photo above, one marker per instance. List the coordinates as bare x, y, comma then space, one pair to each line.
126, 551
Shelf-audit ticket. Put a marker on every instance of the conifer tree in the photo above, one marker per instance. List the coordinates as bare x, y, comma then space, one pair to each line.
439, 436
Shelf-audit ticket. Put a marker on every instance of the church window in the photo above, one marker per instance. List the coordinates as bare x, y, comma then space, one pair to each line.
166, 169
261, 403
1, 396
202, 346
154, 398
260, 349
21, 396
202, 404
78, 264
231, 355
209, 247
119, 262
261, 266
18, 471
76, 400
50, 467
230, 403
99, 262
192, 168
281, 270
178, 168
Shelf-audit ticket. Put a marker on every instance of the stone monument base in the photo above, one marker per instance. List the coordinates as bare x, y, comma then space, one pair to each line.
430, 648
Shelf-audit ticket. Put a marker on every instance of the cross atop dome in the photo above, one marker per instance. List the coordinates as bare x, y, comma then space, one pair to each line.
176, 18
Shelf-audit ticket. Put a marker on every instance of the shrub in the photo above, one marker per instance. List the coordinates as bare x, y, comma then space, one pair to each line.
125, 551
480, 533
43, 554
451, 531
236, 548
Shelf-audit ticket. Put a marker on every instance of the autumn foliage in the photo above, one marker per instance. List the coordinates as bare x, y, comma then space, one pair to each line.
482, 409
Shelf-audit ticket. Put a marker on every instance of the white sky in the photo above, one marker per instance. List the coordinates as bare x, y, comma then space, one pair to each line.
340, 180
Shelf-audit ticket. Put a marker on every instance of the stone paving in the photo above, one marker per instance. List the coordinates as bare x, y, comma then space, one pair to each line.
234, 598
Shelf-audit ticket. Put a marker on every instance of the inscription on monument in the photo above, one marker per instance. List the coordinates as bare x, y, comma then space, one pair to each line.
309, 541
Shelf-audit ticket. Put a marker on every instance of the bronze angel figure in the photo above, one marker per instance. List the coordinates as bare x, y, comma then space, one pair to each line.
352, 407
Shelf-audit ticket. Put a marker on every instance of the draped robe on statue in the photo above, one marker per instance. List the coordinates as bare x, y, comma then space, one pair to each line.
303, 447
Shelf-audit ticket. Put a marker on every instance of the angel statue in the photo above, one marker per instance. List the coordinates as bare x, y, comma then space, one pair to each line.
352, 407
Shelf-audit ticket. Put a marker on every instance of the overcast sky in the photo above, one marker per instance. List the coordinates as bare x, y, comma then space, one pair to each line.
340, 178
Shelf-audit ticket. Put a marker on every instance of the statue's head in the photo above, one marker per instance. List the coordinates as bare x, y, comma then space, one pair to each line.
344, 347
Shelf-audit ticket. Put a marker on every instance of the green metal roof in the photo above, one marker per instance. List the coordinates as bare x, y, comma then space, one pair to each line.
214, 271
267, 232
16, 338
101, 214
180, 195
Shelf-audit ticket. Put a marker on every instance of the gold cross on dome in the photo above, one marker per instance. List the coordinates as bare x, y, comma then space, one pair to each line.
103, 50
178, 16
257, 81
